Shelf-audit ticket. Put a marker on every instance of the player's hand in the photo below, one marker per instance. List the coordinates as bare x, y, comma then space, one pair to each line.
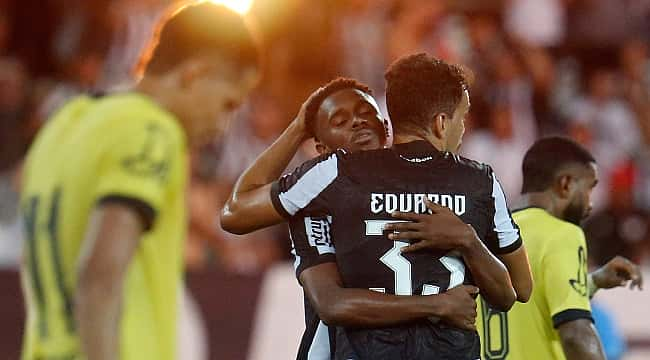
440, 230
618, 272
459, 309
300, 122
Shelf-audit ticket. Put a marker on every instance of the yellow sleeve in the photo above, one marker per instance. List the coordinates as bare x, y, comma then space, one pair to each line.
138, 165
565, 277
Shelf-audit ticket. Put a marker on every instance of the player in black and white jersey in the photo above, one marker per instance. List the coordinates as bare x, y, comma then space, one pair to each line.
341, 114
349, 188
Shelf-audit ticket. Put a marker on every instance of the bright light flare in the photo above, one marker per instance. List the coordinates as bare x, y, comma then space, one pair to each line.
240, 6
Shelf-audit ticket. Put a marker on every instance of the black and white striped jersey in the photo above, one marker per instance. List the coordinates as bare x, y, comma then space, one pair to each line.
353, 195
311, 242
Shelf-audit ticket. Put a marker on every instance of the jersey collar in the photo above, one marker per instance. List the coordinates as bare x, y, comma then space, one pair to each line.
416, 148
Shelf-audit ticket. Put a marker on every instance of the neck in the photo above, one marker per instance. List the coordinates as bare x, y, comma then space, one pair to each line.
153, 90
402, 138
544, 200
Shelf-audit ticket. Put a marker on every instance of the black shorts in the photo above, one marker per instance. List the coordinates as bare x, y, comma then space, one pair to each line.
418, 341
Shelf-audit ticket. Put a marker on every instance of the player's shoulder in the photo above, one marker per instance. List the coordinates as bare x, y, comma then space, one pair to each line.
135, 112
467, 163
367, 159
465, 168
562, 233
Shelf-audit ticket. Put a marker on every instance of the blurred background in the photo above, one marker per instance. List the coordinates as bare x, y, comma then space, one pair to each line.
574, 67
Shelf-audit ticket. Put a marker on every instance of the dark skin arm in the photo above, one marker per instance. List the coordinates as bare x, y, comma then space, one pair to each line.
249, 207
111, 240
580, 340
424, 232
618, 272
340, 306
520, 274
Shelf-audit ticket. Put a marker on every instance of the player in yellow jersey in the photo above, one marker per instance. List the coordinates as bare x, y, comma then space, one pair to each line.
104, 194
556, 323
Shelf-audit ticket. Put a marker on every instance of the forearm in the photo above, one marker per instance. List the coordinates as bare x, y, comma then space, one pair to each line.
249, 207
365, 308
490, 275
271, 163
519, 270
97, 312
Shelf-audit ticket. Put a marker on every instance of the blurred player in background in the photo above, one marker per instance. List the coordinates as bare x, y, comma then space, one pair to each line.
559, 176
104, 194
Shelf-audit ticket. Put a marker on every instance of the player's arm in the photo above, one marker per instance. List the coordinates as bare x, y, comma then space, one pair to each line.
426, 232
564, 286
340, 306
617, 272
249, 207
141, 167
112, 238
519, 269
580, 340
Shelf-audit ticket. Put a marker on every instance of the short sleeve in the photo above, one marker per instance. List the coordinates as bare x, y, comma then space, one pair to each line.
138, 167
565, 278
504, 236
311, 241
304, 188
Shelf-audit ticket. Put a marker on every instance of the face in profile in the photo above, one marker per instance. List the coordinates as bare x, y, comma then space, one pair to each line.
210, 92
456, 126
349, 119
585, 180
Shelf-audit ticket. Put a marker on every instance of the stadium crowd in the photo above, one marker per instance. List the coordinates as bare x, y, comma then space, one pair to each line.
534, 76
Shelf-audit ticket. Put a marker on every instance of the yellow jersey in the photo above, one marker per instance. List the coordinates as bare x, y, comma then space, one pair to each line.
558, 259
121, 147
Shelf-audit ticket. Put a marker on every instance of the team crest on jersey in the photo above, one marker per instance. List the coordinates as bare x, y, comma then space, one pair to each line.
153, 158
579, 284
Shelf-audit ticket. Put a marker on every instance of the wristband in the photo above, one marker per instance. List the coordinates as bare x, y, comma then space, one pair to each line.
591, 286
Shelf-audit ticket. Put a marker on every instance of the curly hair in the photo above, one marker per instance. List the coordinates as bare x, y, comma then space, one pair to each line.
420, 86
189, 29
341, 83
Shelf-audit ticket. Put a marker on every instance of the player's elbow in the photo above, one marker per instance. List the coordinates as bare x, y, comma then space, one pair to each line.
337, 315
524, 292
504, 300
230, 219
334, 310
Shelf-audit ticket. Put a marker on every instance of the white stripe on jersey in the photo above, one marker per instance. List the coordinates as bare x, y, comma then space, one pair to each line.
503, 226
310, 185
320, 345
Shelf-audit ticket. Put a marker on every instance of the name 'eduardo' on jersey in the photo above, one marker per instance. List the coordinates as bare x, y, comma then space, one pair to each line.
389, 203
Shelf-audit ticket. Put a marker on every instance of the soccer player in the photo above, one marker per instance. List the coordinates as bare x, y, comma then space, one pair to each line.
559, 176
427, 101
342, 114
103, 197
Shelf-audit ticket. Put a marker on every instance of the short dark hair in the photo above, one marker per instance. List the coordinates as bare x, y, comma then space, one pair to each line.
338, 84
200, 28
547, 157
420, 86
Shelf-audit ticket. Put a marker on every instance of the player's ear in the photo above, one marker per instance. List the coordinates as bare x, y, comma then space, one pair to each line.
564, 186
320, 147
440, 125
189, 70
